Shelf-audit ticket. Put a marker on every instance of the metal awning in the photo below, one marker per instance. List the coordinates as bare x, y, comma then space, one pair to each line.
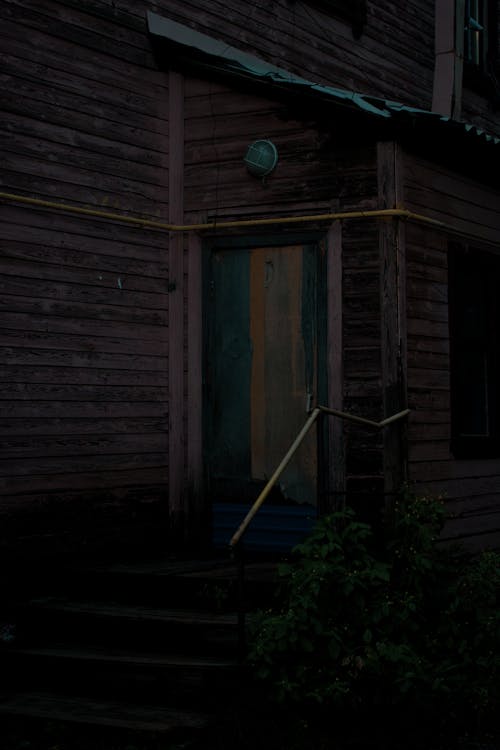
181, 44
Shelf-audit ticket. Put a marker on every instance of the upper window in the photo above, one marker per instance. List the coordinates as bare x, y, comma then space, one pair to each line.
481, 46
476, 32
474, 279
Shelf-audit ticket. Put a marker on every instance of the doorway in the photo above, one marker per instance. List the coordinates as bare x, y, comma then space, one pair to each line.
264, 354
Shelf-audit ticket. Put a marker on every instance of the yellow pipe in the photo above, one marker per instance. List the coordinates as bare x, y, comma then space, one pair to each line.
152, 224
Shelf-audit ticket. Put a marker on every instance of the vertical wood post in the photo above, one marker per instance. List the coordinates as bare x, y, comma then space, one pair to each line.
197, 510
393, 316
334, 364
176, 437
448, 65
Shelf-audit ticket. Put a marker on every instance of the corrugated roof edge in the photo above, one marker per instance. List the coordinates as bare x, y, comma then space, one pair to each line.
195, 47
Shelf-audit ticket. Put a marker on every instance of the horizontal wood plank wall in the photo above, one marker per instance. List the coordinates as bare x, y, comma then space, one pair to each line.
83, 328
220, 125
472, 488
394, 57
313, 174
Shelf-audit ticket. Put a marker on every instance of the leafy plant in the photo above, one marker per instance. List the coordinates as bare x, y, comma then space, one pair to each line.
366, 629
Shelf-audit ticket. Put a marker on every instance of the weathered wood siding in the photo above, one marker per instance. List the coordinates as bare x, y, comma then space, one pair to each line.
220, 125
87, 303
362, 363
393, 58
471, 487
83, 328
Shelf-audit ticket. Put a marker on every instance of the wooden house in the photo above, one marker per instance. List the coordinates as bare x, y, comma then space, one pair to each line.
216, 216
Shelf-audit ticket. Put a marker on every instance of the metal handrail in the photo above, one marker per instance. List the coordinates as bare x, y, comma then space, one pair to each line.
236, 544
294, 447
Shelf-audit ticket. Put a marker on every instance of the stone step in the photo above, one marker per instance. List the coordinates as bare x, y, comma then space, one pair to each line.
107, 623
148, 646
210, 584
178, 679
120, 715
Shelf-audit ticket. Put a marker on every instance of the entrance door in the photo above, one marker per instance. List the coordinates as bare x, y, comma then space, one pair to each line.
261, 379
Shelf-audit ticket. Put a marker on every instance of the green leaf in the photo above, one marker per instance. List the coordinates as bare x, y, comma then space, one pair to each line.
306, 644
334, 648
381, 571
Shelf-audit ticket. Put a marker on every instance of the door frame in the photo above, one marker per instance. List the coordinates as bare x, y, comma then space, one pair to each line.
329, 323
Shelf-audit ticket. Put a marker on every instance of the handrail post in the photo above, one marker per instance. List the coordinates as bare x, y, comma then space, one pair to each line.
239, 557
236, 542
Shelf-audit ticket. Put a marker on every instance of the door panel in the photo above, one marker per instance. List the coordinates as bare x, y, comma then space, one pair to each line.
229, 366
283, 363
262, 371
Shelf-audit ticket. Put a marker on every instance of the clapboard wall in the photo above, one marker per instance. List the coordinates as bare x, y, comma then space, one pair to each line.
87, 302
393, 58
84, 399
470, 487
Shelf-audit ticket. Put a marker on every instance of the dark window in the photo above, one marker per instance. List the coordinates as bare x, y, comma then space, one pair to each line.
352, 11
476, 32
481, 47
474, 279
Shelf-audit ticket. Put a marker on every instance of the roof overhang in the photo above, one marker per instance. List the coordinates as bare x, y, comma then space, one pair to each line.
180, 46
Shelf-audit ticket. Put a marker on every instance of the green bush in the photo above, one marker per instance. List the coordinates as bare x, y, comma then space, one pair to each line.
372, 630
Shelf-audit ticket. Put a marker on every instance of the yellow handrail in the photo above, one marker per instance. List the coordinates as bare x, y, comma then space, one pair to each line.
294, 447
280, 469
362, 420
